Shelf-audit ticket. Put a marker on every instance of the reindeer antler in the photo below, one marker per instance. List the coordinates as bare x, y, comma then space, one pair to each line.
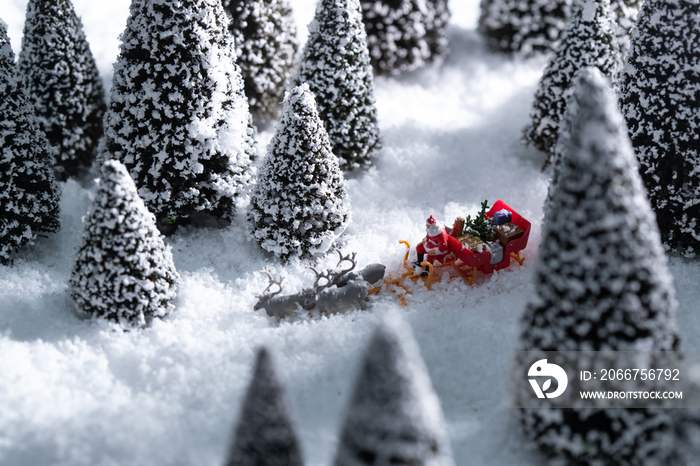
320, 276
349, 258
272, 282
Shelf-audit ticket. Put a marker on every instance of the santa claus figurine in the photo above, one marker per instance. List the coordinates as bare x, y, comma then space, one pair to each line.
438, 244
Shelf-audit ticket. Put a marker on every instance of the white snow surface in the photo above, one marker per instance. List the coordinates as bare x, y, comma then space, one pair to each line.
76, 392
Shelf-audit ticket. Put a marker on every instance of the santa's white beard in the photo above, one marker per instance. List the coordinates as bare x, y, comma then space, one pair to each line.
434, 230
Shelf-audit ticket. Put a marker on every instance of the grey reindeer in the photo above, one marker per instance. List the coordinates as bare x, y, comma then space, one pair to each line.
284, 306
343, 288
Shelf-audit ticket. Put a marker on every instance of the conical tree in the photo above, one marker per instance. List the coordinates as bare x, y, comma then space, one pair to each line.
265, 433
335, 64
396, 35
626, 13
659, 98
178, 118
601, 281
265, 35
589, 40
523, 26
123, 271
437, 20
63, 83
29, 194
394, 415
298, 207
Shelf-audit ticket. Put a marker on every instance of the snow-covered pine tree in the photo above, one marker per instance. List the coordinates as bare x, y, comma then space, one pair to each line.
394, 415
626, 13
298, 207
178, 118
601, 281
29, 194
437, 20
523, 26
123, 271
396, 35
265, 35
588, 40
660, 88
63, 83
265, 433
335, 64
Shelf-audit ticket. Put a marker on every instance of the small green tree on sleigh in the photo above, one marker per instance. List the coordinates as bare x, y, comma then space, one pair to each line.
480, 226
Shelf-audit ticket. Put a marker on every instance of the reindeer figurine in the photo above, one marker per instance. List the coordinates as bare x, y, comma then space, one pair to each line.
344, 289
284, 306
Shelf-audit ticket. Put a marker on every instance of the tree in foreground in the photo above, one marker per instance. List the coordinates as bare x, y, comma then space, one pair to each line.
265, 35
523, 26
659, 98
298, 207
589, 40
178, 118
63, 83
394, 415
335, 64
29, 194
123, 271
265, 433
601, 282
396, 35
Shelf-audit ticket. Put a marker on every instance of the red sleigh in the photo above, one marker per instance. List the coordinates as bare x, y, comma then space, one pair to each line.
468, 262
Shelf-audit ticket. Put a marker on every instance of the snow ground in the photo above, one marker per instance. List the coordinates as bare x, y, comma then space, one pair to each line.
78, 393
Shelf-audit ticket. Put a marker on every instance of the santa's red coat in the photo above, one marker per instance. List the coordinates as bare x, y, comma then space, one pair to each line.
437, 247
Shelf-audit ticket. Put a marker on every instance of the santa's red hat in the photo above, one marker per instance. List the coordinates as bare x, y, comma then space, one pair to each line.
431, 220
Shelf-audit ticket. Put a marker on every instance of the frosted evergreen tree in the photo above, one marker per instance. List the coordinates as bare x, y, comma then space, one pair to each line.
394, 415
523, 26
601, 281
626, 13
659, 98
123, 271
29, 194
298, 207
178, 118
265, 433
63, 83
335, 64
265, 35
589, 40
396, 35
437, 20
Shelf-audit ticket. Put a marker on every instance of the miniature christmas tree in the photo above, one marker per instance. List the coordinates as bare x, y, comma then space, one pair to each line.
659, 95
178, 118
265, 35
335, 64
394, 416
601, 282
437, 20
523, 26
123, 271
480, 226
29, 194
626, 12
396, 35
63, 84
589, 40
265, 434
298, 207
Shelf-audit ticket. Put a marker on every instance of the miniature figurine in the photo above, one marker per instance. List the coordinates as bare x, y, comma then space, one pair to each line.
438, 244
